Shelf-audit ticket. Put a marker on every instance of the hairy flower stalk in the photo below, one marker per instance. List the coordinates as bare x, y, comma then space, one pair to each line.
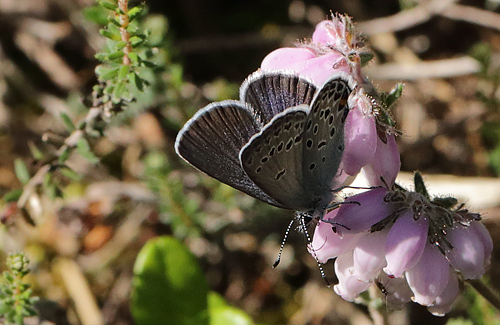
413, 246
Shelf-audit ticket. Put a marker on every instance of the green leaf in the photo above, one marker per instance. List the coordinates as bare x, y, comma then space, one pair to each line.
221, 313
168, 285
136, 80
83, 148
69, 173
116, 55
134, 58
108, 5
64, 155
22, 173
67, 122
106, 73
119, 89
123, 72
107, 33
13, 195
394, 94
136, 11
35, 152
96, 14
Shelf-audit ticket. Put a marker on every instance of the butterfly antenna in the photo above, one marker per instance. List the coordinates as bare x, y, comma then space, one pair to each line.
309, 241
283, 243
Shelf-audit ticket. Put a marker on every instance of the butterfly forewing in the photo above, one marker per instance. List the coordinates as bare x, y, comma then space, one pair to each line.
324, 138
212, 139
270, 93
273, 158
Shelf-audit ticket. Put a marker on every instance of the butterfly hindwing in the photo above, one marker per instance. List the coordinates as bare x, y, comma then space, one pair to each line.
273, 158
212, 139
324, 137
270, 93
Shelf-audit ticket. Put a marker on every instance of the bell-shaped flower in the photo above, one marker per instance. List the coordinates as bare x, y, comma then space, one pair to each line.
359, 212
405, 244
429, 277
410, 245
385, 164
349, 286
467, 255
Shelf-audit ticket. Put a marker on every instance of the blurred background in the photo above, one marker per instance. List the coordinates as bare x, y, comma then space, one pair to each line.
85, 240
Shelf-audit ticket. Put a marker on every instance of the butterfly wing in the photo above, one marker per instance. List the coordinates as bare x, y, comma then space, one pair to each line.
271, 92
273, 158
324, 138
212, 139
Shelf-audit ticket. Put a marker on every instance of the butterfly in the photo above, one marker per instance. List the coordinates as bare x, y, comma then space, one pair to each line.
281, 143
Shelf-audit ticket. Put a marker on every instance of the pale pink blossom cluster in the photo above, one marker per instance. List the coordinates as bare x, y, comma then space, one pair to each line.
414, 247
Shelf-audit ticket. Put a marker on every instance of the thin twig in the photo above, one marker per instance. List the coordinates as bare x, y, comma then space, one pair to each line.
404, 19
445, 68
472, 15
486, 292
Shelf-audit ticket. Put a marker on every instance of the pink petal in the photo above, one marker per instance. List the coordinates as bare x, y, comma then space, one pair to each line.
358, 217
385, 163
467, 254
284, 58
445, 300
328, 244
325, 33
485, 237
349, 286
405, 244
321, 68
429, 277
360, 138
369, 255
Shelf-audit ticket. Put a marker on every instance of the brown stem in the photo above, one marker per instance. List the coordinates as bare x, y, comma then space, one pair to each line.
486, 292
123, 18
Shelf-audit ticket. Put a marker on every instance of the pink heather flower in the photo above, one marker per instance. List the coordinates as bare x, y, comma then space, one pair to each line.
411, 246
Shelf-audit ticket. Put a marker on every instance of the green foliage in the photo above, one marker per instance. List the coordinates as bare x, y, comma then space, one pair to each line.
16, 301
221, 313
170, 288
487, 93
124, 54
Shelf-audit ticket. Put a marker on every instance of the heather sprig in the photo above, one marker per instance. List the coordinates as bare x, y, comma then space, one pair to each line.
16, 296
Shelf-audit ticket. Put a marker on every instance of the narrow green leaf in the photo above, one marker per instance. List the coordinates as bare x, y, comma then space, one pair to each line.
110, 35
134, 58
22, 173
394, 94
137, 81
148, 64
116, 55
122, 75
96, 14
83, 148
64, 155
107, 73
35, 152
119, 89
67, 122
115, 22
121, 44
70, 173
168, 285
108, 5
13, 195
135, 12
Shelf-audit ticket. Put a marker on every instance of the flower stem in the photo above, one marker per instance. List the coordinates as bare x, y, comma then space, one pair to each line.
486, 292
